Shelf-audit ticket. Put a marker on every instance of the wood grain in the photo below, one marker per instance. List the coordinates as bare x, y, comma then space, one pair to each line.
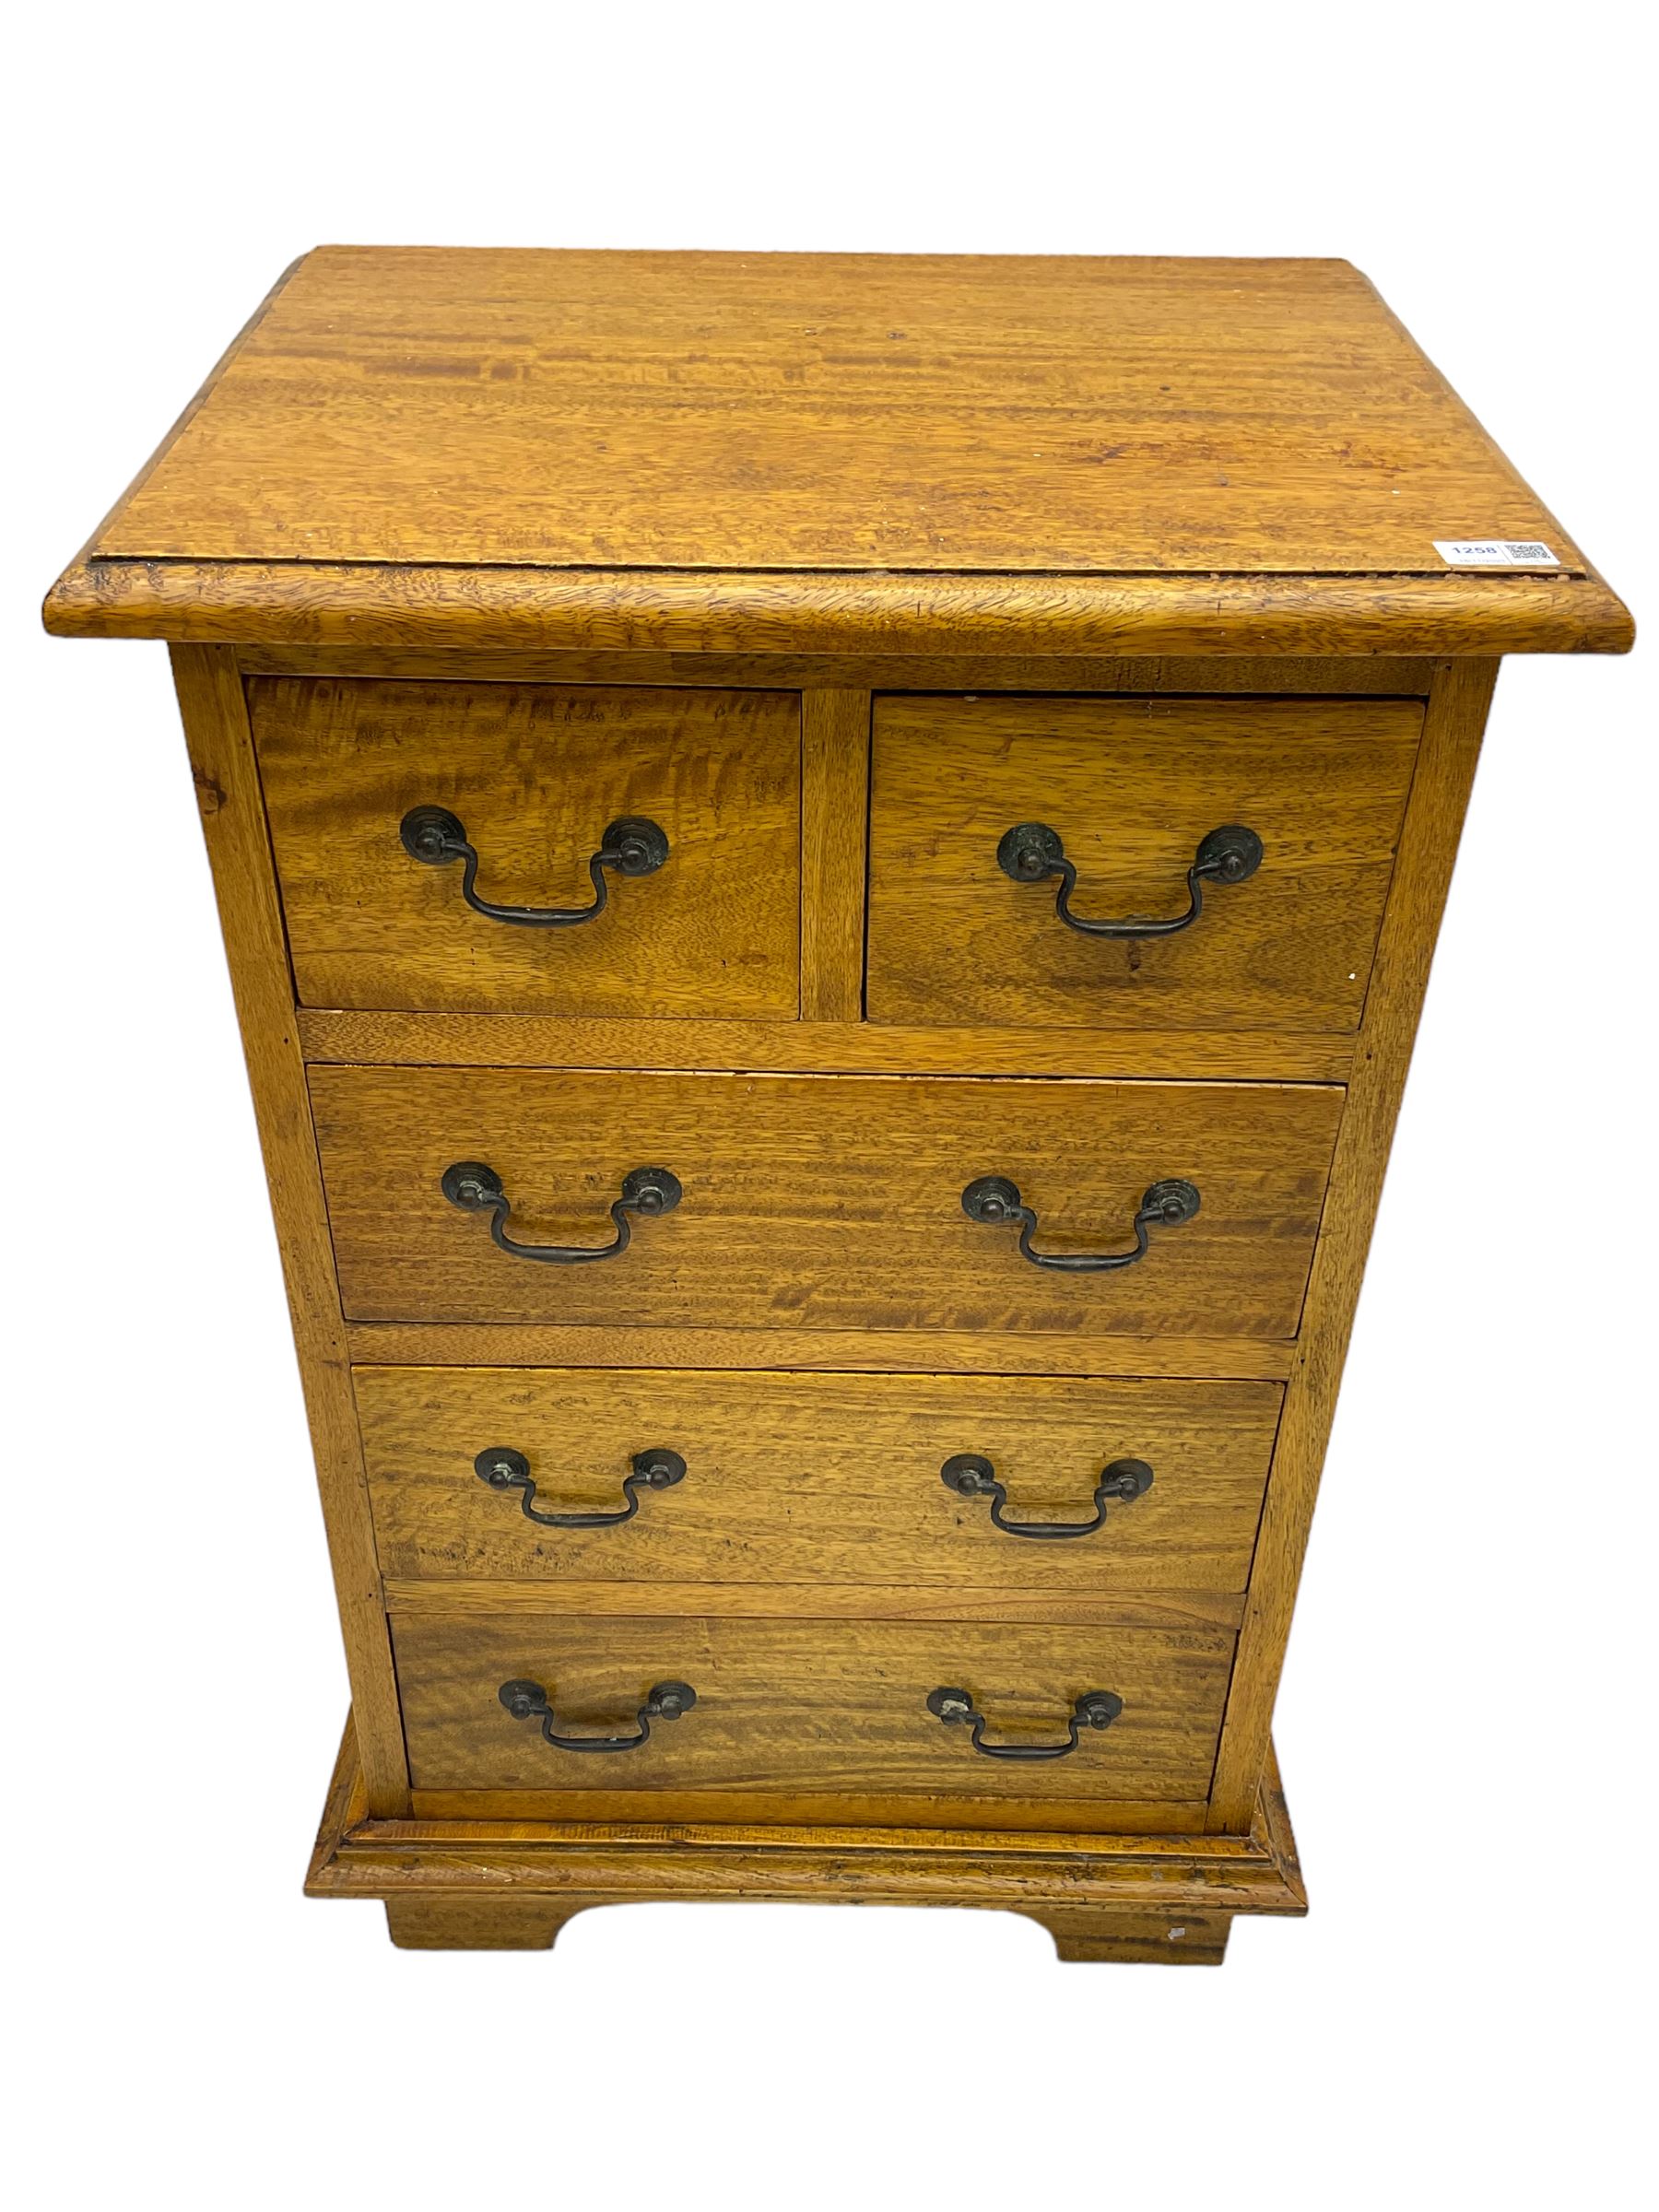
919, 1351
835, 778
814, 1810
811, 1708
510, 610
535, 774
1171, 1875
1086, 1935
526, 1852
803, 1479
1081, 1934
1132, 787
1440, 795
226, 784
823, 1201
1373, 676
345, 1809
474, 1923
828, 1048
516, 1844
1102, 1609
779, 411
196, 400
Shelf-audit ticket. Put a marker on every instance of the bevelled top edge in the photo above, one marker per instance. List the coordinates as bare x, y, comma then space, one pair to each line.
700, 610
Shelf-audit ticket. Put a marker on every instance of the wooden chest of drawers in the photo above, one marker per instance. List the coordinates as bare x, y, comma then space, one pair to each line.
828, 867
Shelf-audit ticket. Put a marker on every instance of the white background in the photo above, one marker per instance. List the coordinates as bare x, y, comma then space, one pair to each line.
1466, 1725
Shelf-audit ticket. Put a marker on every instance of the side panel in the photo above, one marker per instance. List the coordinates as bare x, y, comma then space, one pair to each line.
221, 758
1434, 817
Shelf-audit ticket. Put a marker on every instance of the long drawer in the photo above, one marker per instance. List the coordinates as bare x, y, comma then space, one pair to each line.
790, 1709
943, 1482
833, 1202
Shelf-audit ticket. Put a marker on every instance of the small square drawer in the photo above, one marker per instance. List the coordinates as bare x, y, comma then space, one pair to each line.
535, 848
595, 1716
1169, 863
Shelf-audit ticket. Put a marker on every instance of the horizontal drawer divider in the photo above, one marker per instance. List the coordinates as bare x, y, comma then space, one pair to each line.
398, 1039
548, 1847
805, 1601
849, 1351
816, 1811
1375, 676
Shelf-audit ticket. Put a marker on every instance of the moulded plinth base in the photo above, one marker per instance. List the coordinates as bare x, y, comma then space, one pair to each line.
495, 1886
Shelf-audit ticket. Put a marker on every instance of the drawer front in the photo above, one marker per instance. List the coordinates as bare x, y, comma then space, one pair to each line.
809, 1707
833, 1202
1131, 788
535, 775
808, 1480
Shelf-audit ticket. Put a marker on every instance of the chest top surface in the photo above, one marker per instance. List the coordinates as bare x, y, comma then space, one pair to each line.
830, 423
